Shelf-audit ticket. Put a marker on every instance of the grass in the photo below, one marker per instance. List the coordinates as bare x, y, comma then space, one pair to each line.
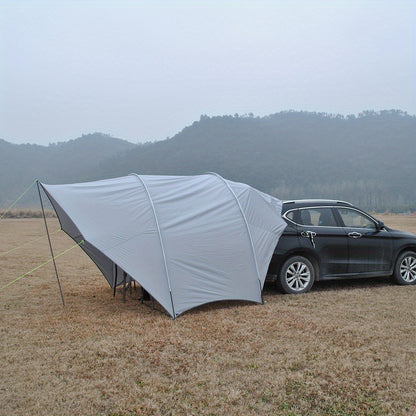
345, 348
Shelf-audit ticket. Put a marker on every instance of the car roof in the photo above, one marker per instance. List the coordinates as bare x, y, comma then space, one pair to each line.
313, 203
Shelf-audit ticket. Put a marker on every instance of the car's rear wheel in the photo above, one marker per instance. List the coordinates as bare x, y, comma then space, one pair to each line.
405, 270
296, 275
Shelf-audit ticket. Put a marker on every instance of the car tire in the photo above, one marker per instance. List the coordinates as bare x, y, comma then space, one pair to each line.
405, 269
296, 275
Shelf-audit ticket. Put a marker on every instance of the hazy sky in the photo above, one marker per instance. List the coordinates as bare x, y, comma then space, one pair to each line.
143, 70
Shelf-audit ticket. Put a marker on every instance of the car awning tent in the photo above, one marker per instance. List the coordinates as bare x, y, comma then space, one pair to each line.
187, 240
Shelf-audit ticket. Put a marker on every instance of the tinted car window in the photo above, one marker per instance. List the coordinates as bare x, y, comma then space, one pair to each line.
317, 217
291, 215
355, 219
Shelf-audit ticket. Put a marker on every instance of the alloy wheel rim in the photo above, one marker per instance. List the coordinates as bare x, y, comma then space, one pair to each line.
298, 276
408, 269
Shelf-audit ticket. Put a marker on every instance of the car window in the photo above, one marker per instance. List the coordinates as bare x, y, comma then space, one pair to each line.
291, 215
317, 217
355, 219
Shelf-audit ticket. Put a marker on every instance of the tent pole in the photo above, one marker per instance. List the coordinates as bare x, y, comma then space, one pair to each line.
261, 293
115, 279
160, 241
50, 244
253, 252
124, 286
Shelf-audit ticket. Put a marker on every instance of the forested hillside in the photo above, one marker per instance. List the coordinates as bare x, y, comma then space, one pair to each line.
368, 159
57, 163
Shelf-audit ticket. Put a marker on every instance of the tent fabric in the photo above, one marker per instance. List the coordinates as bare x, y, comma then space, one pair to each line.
187, 240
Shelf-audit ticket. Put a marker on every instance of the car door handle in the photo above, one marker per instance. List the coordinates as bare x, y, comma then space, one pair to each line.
310, 235
354, 235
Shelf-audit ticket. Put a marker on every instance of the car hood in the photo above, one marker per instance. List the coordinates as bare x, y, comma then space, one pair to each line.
402, 234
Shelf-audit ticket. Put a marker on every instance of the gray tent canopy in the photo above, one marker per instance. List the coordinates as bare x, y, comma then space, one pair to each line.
187, 240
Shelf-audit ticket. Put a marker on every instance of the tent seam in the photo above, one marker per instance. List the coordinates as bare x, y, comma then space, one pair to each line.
245, 222
160, 238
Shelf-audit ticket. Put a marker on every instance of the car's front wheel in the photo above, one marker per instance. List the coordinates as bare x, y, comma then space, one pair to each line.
296, 275
405, 270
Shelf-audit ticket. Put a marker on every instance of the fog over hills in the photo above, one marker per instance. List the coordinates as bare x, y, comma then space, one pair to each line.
369, 159
70, 161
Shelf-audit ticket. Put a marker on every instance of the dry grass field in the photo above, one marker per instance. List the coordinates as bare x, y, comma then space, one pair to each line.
345, 348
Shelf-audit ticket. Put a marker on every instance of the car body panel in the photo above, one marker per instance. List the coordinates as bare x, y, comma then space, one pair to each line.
339, 250
372, 252
330, 245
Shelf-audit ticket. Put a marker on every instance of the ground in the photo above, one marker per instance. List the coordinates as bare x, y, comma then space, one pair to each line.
345, 348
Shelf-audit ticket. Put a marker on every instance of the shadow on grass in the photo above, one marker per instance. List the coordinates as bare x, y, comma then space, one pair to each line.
338, 285
271, 290
348, 284
134, 303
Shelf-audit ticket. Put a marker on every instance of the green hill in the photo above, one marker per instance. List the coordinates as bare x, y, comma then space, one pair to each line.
57, 163
369, 159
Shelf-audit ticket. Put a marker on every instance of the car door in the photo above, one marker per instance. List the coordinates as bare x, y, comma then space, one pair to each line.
370, 249
320, 232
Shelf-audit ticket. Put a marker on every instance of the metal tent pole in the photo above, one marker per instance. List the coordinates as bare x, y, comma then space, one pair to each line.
160, 241
261, 292
247, 228
50, 244
115, 279
124, 286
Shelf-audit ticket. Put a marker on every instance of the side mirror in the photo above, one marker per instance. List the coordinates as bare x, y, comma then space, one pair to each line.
380, 225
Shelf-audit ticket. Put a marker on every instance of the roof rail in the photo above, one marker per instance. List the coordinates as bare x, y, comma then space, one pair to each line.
317, 200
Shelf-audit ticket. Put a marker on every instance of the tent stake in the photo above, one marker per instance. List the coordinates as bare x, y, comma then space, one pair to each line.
50, 244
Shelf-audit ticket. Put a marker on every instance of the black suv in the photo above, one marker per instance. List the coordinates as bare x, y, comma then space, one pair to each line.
327, 239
